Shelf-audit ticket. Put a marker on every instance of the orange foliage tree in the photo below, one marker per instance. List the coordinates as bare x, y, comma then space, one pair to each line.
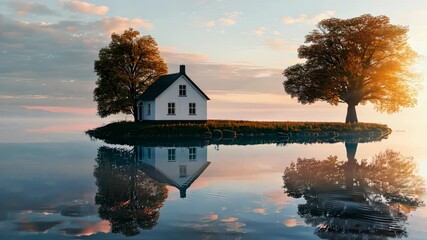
355, 61
125, 69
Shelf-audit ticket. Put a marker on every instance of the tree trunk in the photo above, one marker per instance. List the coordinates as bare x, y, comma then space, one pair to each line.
135, 112
350, 167
351, 114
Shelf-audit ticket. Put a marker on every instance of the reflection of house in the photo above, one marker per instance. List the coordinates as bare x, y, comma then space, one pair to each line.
175, 166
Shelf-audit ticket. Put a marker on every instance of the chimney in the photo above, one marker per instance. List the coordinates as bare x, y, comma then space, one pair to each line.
182, 69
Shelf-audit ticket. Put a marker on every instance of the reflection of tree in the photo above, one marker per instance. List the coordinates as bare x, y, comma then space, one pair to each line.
126, 196
345, 198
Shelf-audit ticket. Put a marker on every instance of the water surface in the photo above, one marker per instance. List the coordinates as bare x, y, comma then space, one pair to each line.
92, 190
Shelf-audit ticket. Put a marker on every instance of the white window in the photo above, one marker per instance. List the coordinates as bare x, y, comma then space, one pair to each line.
192, 154
149, 109
171, 108
192, 108
182, 90
171, 155
182, 170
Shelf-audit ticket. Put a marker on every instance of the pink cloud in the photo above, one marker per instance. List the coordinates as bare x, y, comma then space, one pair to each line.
173, 55
84, 7
58, 109
119, 24
25, 8
63, 128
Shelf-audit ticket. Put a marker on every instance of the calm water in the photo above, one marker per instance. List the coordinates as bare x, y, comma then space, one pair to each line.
92, 190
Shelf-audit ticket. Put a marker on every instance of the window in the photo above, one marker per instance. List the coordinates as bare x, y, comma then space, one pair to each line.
192, 108
171, 155
182, 170
171, 108
182, 90
192, 154
149, 109
140, 112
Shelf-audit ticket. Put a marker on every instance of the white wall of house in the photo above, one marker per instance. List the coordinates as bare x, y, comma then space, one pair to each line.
171, 95
160, 158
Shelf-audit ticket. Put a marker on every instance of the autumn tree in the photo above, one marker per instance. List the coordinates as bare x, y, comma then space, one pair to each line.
128, 198
344, 197
125, 69
355, 61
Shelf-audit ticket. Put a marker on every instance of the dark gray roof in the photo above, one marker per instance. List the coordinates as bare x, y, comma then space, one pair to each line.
162, 83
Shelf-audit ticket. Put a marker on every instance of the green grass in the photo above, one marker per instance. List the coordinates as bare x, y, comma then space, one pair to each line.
126, 131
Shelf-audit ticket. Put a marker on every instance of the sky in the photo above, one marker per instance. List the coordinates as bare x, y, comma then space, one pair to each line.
235, 50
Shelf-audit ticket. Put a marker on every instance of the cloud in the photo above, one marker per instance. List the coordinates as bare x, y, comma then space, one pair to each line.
173, 56
303, 18
258, 32
230, 18
119, 24
84, 7
58, 109
209, 24
26, 8
280, 45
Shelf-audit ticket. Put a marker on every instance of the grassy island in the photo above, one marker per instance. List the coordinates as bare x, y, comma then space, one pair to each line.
146, 132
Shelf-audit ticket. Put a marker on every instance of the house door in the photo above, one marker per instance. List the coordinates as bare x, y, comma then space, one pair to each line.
140, 111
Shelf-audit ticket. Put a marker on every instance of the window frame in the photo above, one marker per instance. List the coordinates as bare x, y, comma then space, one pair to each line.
171, 108
182, 91
171, 155
192, 109
192, 154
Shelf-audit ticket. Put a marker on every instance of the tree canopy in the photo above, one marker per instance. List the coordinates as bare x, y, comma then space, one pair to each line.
355, 61
125, 69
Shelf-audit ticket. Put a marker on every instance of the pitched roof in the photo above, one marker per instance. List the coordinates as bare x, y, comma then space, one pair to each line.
162, 83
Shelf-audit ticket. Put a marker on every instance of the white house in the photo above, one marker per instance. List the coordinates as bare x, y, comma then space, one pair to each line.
173, 97
174, 166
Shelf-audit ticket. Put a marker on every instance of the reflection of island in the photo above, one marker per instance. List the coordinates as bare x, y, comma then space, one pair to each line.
132, 182
346, 199
174, 166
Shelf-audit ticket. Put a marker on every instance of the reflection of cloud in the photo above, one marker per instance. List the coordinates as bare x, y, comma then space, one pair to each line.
229, 219
234, 227
63, 128
303, 18
57, 109
290, 222
84, 7
209, 218
259, 210
37, 226
278, 198
25, 8
89, 228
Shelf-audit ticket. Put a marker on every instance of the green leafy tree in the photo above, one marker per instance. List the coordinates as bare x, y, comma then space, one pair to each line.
125, 69
355, 61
